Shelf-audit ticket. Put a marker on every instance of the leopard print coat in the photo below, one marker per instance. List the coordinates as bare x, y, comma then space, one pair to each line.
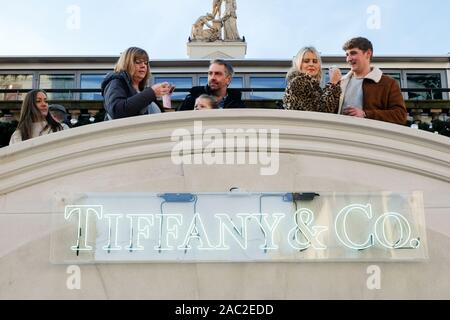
304, 93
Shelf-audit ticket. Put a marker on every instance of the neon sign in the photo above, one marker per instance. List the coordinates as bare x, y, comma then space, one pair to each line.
192, 231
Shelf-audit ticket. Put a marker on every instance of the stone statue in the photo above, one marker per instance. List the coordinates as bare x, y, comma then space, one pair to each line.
211, 33
217, 8
214, 33
208, 28
229, 21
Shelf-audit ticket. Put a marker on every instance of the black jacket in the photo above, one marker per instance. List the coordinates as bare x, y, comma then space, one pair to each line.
232, 100
121, 100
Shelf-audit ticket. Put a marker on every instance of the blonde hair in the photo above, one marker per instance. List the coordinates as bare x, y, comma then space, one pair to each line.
297, 61
127, 60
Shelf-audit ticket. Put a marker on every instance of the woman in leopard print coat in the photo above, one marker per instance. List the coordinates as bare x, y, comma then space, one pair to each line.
303, 91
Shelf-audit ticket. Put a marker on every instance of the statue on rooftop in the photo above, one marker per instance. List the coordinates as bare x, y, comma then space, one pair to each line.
210, 33
229, 21
208, 28
217, 8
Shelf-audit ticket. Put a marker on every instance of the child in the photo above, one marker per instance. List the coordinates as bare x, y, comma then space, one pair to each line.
205, 102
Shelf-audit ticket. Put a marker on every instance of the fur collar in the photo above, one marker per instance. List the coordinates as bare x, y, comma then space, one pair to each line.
375, 75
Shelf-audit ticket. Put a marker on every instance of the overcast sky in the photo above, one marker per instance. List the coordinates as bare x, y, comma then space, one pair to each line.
272, 28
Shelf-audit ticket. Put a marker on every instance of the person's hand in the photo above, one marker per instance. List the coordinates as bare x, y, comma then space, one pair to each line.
354, 112
335, 75
161, 89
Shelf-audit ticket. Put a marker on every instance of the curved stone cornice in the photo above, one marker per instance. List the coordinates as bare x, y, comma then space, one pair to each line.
144, 137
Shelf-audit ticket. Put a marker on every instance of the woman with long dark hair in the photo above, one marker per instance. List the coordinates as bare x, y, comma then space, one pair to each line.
35, 119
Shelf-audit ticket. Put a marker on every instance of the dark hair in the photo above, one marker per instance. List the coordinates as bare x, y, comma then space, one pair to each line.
358, 43
30, 113
224, 63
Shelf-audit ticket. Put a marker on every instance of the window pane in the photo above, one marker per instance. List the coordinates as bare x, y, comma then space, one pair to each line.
267, 82
91, 81
236, 82
424, 81
180, 83
57, 81
326, 76
15, 81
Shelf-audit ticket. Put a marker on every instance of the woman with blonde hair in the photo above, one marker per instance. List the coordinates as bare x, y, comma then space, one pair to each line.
124, 90
303, 91
35, 119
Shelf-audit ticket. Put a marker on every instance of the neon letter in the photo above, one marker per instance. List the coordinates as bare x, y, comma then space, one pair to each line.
172, 223
401, 222
341, 226
197, 231
227, 223
141, 230
311, 234
83, 212
112, 246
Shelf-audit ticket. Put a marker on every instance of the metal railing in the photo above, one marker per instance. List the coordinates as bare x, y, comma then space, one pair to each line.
430, 91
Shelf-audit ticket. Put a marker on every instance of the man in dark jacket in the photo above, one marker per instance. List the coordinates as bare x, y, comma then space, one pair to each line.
220, 74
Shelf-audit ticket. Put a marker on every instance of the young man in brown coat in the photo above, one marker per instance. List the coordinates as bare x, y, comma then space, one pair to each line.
366, 91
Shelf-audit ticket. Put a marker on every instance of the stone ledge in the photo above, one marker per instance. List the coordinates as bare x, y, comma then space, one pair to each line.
148, 137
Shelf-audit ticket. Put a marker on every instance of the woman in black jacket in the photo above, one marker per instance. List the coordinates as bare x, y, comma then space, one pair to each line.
124, 90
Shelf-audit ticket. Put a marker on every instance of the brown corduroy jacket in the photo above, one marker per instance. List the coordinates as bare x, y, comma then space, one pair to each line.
383, 99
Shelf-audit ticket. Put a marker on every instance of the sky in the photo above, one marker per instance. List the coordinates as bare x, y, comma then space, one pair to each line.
273, 29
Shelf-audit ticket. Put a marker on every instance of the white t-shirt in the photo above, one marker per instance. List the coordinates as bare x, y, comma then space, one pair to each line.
354, 94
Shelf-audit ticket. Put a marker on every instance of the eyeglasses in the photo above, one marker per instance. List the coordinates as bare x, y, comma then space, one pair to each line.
139, 62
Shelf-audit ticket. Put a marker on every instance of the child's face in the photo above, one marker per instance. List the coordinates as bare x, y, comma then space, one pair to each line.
201, 104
